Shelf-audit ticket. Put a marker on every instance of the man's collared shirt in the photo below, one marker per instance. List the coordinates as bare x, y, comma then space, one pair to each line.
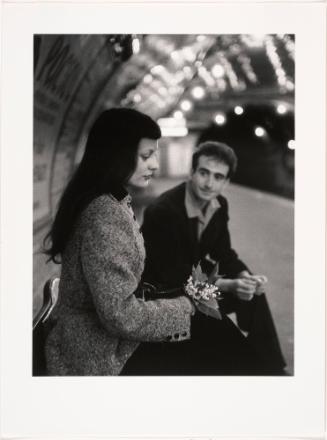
193, 209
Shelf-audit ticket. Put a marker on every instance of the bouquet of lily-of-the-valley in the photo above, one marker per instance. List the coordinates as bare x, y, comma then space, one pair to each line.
203, 291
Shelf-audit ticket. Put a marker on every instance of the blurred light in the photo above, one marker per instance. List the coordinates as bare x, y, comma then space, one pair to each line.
186, 105
227, 68
218, 71
259, 131
188, 72
206, 76
245, 62
289, 85
173, 90
157, 69
148, 79
178, 78
238, 110
281, 109
198, 92
137, 98
176, 56
178, 114
174, 131
163, 91
222, 85
275, 60
136, 45
258, 39
201, 38
220, 119
291, 144
171, 127
189, 54
253, 40
289, 46
241, 86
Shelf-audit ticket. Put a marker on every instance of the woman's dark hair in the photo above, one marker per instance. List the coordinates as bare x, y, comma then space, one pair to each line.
109, 160
219, 151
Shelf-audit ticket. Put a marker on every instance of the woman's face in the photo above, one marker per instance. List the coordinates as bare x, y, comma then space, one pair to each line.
147, 163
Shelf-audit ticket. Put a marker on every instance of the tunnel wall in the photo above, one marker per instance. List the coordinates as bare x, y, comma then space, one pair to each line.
69, 89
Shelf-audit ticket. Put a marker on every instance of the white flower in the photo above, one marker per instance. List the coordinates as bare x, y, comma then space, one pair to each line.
201, 290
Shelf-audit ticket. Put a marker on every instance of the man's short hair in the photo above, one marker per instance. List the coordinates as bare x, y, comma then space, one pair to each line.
219, 151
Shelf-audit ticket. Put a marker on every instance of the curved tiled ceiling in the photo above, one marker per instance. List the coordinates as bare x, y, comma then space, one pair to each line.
210, 71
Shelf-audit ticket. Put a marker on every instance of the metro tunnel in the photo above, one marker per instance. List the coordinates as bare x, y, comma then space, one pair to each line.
235, 89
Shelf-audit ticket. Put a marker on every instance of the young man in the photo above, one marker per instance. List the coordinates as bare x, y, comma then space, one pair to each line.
189, 224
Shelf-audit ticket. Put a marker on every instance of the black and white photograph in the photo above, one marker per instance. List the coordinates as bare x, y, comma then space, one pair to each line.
163, 167
163, 210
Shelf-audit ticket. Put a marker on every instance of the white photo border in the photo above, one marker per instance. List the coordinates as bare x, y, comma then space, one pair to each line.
167, 407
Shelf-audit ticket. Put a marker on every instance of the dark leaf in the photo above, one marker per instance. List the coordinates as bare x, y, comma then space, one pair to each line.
209, 308
214, 274
198, 275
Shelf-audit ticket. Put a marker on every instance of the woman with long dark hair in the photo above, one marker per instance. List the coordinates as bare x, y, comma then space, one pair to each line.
101, 318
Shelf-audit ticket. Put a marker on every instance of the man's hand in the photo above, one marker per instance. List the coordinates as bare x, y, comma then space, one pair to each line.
260, 281
244, 287
241, 287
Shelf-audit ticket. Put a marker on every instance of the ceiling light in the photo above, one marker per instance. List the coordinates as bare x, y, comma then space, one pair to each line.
186, 105
178, 114
136, 45
172, 127
291, 144
253, 40
238, 110
174, 131
148, 79
137, 98
188, 72
176, 55
156, 70
198, 92
163, 91
259, 131
289, 85
220, 119
189, 54
218, 71
281, 109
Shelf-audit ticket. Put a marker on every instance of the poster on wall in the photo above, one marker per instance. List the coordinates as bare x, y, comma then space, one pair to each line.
65, 77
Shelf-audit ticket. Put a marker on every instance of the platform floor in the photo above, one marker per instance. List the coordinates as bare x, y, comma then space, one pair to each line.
262, 232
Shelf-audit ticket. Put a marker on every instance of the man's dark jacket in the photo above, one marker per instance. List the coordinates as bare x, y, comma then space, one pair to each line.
172, 245
172, 248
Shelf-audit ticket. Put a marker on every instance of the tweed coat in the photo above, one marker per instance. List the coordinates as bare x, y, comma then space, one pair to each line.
99, 322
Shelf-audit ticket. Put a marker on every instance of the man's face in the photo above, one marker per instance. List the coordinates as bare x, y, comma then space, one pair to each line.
209, 178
